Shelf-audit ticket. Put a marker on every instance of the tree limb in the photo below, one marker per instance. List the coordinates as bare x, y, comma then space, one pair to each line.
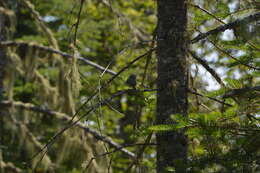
234, 58
66, 118
240, 91
211, 98
55, 51
238, 22
207, 67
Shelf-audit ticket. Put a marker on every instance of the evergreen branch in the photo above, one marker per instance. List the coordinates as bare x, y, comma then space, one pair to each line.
55, 51
231, 25
211, 98
208, 68
240, 91
132, 27
234, 58
219, 20
207, 12
66, 118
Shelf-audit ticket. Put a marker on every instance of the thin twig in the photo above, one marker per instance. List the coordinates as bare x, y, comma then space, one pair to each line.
78, 20
77, 122
115, 150
140, 152
149, 56
109, 81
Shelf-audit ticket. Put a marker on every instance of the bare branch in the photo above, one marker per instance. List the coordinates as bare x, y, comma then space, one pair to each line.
236, 23
55, 51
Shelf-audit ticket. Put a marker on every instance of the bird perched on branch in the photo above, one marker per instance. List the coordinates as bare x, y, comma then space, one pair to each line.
131, 81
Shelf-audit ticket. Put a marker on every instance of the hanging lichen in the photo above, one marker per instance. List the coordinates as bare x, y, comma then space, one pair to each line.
13, 66
73, 72
47, 93
10, 21
77, 144
35, 14
30, 62
59, 95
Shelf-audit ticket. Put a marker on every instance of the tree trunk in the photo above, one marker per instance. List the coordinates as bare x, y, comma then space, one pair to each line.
3, 37
172, 83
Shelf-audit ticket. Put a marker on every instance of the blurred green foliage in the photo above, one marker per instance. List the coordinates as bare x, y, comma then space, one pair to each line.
112, 34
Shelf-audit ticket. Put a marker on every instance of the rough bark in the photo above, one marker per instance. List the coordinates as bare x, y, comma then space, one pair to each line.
172, 83
3, 37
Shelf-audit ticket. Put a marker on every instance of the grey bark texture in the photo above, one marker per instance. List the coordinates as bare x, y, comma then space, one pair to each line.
172, 83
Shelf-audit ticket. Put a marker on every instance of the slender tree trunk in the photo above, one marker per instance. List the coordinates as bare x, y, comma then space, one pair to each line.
172, 83
2, 66
3, 37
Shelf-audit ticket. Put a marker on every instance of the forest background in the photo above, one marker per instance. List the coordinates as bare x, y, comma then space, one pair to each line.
78, 87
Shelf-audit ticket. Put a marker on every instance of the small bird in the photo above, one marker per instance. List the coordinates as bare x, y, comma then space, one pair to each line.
131, 81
